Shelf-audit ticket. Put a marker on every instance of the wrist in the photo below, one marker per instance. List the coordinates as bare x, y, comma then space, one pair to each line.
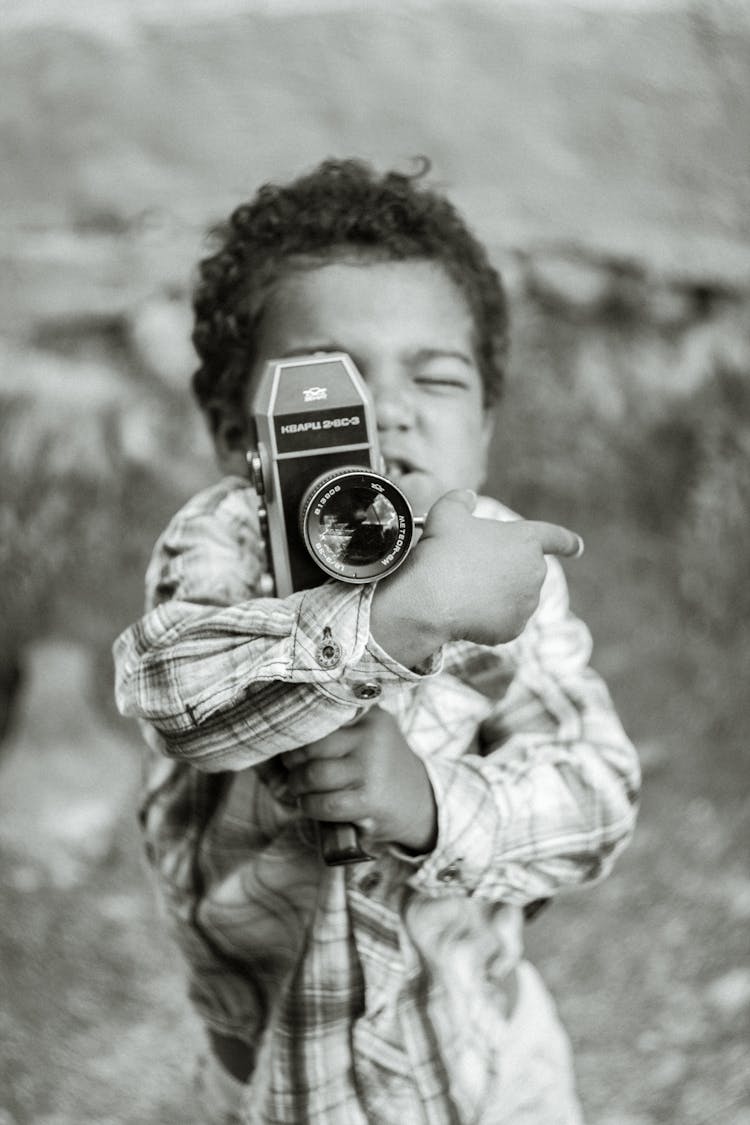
419, 835
404, 619
418, 843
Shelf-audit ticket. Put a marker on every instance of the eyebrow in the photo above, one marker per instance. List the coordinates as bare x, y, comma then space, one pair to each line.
311, 349
424, 355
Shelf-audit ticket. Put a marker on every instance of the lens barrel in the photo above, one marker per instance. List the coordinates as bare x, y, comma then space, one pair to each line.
357, 525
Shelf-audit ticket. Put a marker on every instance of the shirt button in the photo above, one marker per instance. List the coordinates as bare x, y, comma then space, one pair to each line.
369, 882
328, 652
448, 874
367, 690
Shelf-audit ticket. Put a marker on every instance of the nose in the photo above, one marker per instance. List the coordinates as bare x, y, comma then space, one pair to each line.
394, 402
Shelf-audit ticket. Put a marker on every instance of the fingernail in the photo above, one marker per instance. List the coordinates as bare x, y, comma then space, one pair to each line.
579, 549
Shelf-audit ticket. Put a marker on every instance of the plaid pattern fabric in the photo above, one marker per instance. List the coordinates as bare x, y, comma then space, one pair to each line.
381, 992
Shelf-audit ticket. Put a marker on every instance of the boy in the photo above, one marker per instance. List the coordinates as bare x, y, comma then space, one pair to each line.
448, 710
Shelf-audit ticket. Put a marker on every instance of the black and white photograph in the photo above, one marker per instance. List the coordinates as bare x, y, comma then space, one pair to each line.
374, 562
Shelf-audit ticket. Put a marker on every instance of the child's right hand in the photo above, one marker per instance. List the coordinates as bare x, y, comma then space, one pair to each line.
467, 579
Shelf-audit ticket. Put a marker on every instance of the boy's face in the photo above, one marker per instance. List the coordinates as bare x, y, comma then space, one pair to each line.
409, 330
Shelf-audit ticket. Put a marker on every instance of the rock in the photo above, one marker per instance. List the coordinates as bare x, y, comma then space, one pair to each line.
11, 675
650, 1041
594, 382
719, 344
141, 435
61, 411
58, 275
669, 1069
735, 891
573, 284
624, 1119
159, 332
670, 306
730, 993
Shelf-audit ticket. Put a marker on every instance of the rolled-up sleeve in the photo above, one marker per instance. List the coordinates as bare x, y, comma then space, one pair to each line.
227, 677
552, 798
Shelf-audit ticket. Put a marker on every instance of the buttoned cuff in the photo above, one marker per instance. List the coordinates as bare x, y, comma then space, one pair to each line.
466, 832
331, 640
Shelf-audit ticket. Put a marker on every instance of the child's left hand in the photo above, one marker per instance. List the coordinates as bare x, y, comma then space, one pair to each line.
366, 774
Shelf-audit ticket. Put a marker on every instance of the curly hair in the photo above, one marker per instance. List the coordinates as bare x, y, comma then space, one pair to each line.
340, 208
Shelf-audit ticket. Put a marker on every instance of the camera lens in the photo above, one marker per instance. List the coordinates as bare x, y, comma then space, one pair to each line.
357, 525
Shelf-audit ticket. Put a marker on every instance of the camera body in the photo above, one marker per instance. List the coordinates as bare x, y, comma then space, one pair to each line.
326, 509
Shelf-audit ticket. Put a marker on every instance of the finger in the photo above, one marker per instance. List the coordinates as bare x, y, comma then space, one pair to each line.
358, 720
556, 540
323, 776
442, 514
366, 833
334, 745
294, 758
345, 805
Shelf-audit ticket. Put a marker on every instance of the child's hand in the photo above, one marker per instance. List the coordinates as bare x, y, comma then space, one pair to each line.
366, 774
467, 579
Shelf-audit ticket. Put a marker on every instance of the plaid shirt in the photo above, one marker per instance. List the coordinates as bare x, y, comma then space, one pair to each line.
378, 992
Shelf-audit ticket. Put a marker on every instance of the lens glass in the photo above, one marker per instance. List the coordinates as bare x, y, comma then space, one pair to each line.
356, 524
358, 527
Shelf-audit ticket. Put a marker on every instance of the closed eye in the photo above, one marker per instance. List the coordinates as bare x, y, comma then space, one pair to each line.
441, 382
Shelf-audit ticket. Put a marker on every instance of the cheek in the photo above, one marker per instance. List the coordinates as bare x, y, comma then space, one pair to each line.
475, 460
465, 436
457, 436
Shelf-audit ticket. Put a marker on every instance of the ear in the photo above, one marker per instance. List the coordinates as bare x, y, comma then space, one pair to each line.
231, 442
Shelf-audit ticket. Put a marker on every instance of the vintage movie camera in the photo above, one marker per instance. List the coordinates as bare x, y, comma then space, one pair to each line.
326, 509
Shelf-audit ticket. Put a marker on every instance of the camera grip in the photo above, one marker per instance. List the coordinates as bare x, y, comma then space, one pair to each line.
339, 844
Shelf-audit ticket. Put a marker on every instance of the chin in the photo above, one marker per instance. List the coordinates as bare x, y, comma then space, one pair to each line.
422, 490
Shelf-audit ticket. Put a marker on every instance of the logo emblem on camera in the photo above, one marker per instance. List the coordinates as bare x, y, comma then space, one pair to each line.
326, 509
314, 394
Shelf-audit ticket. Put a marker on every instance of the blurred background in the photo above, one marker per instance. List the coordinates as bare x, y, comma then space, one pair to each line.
602, 151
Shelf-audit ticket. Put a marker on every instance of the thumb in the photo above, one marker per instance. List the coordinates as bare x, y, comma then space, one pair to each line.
365, 834
442, 515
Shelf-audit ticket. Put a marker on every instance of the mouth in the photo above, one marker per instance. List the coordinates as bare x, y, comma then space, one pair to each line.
398, 467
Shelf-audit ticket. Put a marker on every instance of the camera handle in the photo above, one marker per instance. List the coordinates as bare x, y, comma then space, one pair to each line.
339, 844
